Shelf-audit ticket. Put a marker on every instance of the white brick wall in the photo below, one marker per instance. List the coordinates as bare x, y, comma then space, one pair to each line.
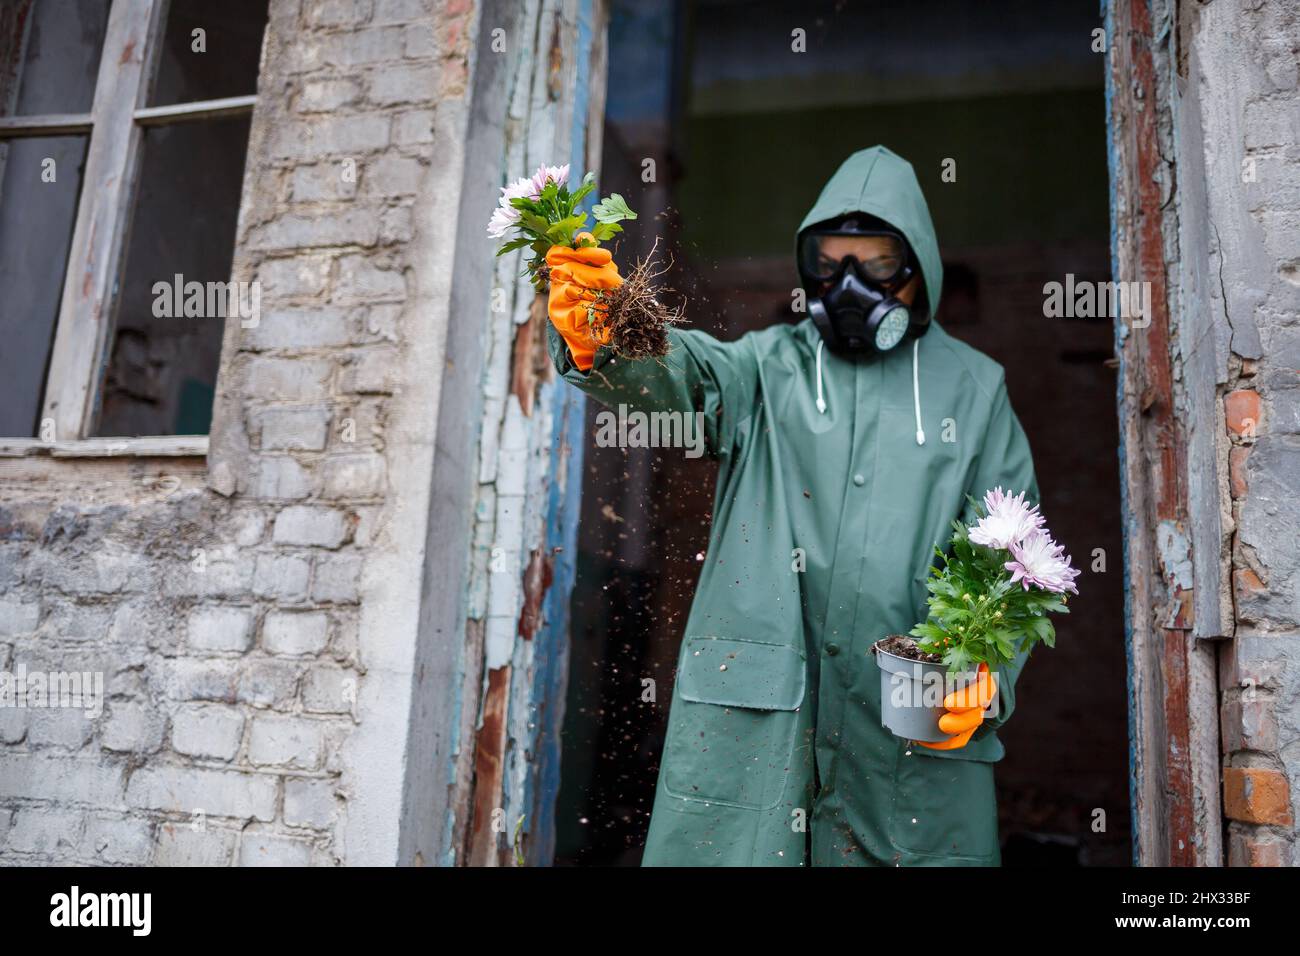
311, 526
132, 727
220, 629
286, 742
209, 731
295, 632
225, 620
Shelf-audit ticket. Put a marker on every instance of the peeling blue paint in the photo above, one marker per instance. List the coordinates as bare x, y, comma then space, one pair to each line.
551, 657
1126, 506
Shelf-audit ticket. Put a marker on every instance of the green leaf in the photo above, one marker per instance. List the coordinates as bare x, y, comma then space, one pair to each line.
605, 230
514, 244
929, 632
957, 658
588, 184
612, 209
533, 222
1041, 628
562, 231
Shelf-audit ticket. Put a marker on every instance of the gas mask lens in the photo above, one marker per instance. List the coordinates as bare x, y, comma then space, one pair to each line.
880, 257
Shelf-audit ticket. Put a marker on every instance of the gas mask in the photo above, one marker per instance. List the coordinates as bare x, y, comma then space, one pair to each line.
858, 266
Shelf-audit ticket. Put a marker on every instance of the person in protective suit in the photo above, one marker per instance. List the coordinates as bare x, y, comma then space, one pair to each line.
847, 444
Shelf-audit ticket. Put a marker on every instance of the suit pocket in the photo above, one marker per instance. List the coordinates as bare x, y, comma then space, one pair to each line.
732, 728
945, 809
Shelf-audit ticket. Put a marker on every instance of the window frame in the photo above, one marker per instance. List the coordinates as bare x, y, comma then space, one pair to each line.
87, 305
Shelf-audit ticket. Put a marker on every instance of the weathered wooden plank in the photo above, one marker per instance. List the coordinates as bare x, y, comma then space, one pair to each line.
85, 315
1204, 334
1204, 364
165, 446
1166, 668
199, 110
451, 658
15, 127
563, 507
526, 515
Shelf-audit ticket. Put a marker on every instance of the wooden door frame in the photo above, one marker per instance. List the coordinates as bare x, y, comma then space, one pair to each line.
483, 761
1169, 420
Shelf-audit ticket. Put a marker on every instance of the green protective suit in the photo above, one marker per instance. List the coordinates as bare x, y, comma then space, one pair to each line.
823, 528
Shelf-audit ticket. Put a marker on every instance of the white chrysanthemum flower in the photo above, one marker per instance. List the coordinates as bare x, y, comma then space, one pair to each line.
1007, 520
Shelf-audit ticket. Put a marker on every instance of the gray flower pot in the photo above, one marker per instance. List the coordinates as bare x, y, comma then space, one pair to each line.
911, 695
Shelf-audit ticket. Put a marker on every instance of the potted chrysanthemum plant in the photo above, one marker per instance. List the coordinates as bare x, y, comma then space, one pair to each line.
989, 600
540, 212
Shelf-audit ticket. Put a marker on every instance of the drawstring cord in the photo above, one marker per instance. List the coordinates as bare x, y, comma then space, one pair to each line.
821, 402
916, 392
916, 386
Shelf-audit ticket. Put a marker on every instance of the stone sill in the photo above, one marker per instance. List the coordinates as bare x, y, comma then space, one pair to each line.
163, 446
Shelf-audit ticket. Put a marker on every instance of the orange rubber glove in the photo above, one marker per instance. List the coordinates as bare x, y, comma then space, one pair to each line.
965, 711
576, 276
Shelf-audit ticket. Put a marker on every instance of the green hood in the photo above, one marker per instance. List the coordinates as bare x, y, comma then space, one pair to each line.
880, 183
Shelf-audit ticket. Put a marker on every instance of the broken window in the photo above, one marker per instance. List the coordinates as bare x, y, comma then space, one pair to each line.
120, 185
48, 62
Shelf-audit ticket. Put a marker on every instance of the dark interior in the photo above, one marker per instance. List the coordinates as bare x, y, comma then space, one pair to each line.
743, 132
162, 368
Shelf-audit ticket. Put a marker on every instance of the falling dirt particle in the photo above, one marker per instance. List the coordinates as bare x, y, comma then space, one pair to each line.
609, 514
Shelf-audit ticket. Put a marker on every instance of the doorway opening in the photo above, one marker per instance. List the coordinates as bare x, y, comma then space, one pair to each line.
715, 102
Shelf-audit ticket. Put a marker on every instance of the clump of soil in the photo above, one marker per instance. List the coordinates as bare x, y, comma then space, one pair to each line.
636, 316
901, 646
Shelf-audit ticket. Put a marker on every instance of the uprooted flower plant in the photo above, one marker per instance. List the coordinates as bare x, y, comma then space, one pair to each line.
541, 213
992, 596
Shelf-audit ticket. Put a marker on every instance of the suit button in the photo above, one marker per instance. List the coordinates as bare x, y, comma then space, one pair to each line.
832, 649
859, 480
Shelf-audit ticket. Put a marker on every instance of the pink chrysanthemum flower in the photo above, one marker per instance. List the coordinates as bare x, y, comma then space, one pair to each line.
1007, 520
557, 174
1040, 561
